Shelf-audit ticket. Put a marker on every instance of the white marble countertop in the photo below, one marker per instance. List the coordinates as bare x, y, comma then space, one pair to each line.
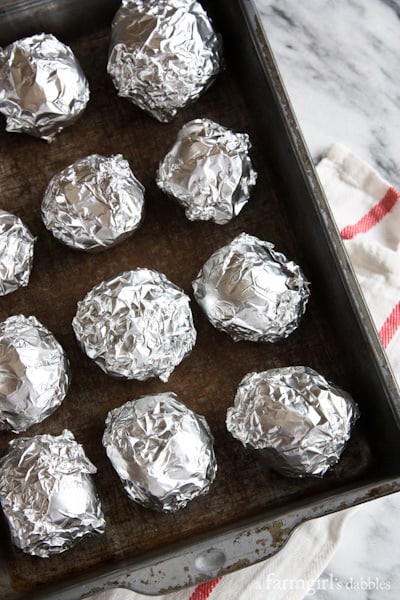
339, 61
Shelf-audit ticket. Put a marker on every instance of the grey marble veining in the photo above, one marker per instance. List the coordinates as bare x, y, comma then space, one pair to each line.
366, 565
340, 62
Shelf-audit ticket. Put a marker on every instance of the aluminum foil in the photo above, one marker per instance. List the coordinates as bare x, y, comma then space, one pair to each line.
252, 292
34, 373
162, 451
16, 253
163, 54
136, 325
299, 420
47, 494
94, 203
208, 171
42, 86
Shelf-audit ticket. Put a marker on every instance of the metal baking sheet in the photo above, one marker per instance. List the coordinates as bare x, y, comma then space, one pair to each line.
250, 510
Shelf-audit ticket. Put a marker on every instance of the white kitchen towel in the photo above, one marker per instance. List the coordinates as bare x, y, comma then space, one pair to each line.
367, 212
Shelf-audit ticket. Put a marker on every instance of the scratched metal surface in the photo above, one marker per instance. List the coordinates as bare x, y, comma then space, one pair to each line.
207, 379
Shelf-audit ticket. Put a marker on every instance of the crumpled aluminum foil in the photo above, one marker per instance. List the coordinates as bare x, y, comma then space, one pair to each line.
252, 292
163, 54
162, 451
136, 325
16, 253
208, 171
42, 86
47, 494
34, 373
94, 203
299, 420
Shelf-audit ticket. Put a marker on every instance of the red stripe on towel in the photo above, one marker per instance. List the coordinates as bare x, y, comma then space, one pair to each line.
203, 590
390, 326
373, 217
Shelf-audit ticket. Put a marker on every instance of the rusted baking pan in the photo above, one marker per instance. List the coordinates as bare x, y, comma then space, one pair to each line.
250, 510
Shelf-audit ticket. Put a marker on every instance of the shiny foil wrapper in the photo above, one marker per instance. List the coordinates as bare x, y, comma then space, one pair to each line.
163, 54
47, 494
251, 291
42, 86
299, 420
136, 325
94, 203
16, 253
208, 171
34, 373
162, 451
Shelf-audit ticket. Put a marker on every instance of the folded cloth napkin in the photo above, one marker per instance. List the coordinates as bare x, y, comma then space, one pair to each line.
367, 211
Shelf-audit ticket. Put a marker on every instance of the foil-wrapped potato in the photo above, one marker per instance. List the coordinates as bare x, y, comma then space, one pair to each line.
47, 494
163, 54
42, 86
136, 325
16, 253
208, 171
94, 203
162, 451
252, 292
34, 373
295, 417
